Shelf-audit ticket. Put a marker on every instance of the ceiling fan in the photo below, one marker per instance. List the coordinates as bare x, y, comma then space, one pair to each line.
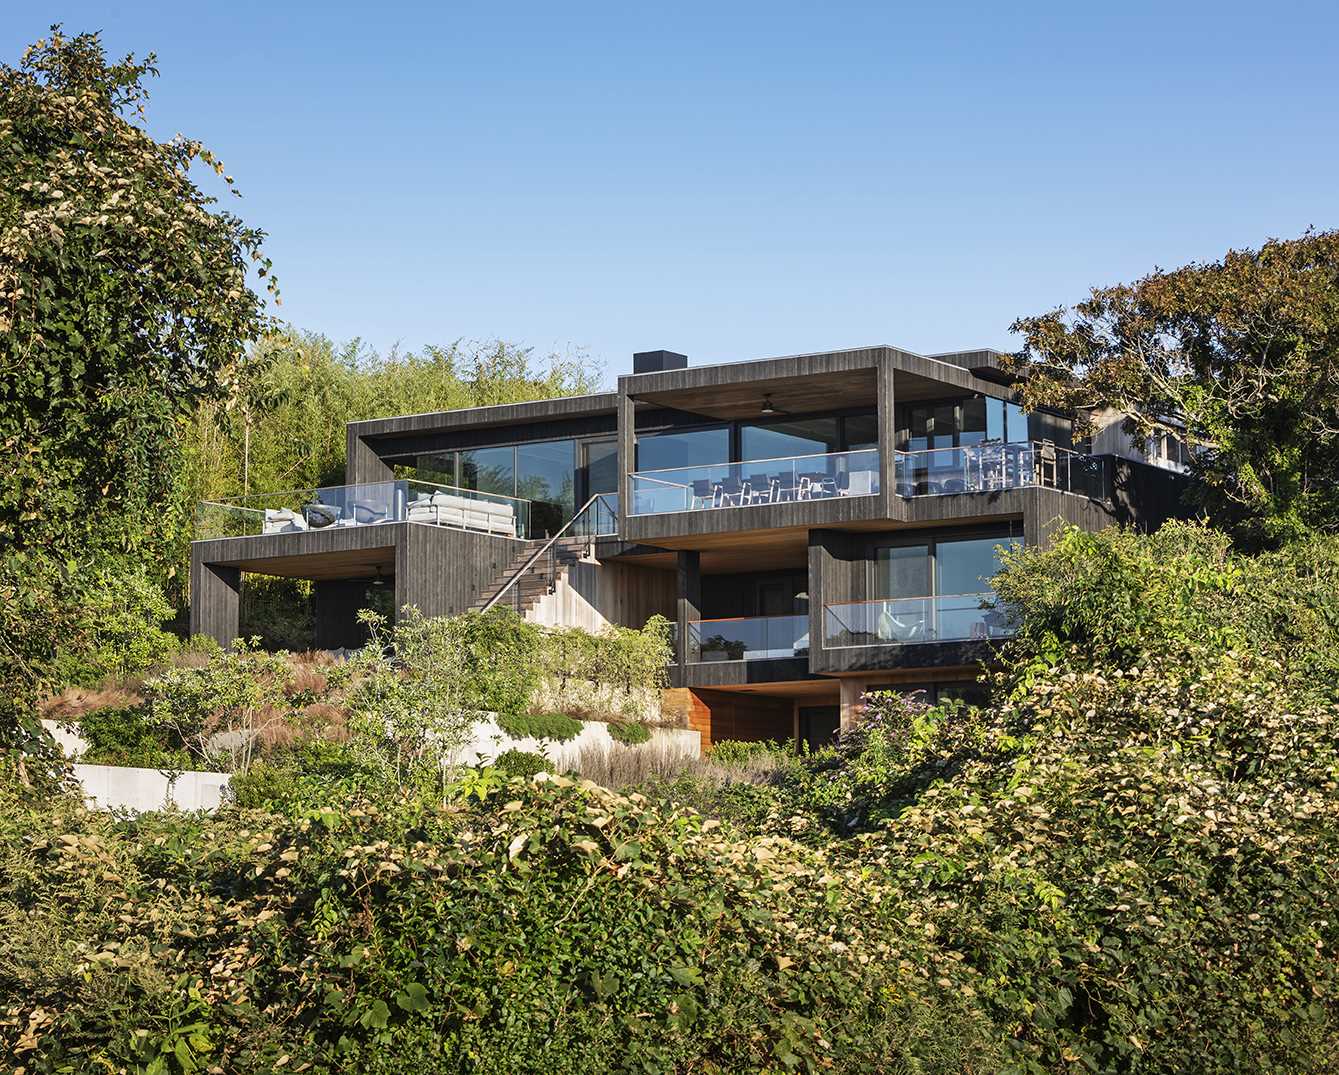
771, 409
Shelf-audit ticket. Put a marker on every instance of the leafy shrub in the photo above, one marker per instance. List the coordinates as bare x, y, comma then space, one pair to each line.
130, 737
502, 657
304, 777
628, 734
522, 763
543, 928
737, 753
120, 630
555, 727
616, 673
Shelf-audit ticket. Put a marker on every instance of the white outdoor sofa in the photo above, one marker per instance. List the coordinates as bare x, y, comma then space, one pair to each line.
464, 513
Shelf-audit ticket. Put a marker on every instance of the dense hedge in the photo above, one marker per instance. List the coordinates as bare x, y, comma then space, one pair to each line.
548, 927
557, 727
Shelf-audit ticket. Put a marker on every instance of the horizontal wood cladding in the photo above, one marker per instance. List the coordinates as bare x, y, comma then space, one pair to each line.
438, 570
600, 427
335, 552
656, 529
722, 715
930, 657
739, 673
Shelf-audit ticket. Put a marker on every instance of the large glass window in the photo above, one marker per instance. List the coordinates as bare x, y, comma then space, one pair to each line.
968, 566
545, 475
955, 566
601, 467
439, 467
862, 432
902, 571
490, 470
683, 448
789, 437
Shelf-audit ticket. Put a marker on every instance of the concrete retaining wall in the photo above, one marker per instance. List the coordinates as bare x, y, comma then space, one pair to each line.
121, 787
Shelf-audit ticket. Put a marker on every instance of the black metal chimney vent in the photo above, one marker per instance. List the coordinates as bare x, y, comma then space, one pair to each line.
658, 361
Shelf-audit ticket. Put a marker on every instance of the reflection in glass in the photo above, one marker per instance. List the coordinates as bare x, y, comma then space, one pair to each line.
902, 571
787, 437
862, 431
489, 470
687, 448
966, 567
545, 474
601, 467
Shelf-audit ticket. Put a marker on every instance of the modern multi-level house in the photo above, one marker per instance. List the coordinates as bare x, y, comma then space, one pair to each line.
814, 526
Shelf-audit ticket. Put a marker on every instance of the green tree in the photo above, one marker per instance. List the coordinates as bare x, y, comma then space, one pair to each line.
1245, 350
124, 302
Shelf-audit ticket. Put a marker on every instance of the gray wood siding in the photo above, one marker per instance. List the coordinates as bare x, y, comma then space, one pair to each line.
215, 600
438, 570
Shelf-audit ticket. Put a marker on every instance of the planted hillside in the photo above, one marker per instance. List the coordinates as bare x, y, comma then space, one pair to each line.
1126, 863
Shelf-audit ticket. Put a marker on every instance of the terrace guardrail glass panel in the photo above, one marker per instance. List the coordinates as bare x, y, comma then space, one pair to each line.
365, 504
750, 638
994, 467
759, 481
909, 620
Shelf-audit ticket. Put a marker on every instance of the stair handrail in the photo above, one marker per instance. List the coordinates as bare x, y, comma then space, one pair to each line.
534, 559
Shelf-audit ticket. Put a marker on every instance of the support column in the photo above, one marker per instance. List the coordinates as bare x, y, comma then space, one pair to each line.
885, 372
852, 692
689, 599
627, 449
215, 601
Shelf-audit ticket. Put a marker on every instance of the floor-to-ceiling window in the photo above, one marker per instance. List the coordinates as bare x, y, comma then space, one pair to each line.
683, 448
546, 476
928, 590
544, 473
974, 420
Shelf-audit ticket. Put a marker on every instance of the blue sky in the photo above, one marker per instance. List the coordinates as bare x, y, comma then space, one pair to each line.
736, 180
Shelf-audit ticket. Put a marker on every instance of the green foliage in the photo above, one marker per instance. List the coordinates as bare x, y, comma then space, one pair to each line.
305, 777
130, 737
411, 702
612, 674
120, 628
628, 734
737, 753
278, 612
124, 301
538, 927
522, 763
236, 691
555, 727
1245, 349
502, 654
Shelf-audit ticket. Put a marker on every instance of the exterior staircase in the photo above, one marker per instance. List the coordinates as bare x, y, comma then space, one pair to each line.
542, 578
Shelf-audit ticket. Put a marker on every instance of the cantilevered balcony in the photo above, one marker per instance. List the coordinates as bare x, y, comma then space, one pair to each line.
748, 638
994, 467
368, 504
911, 620
789, 479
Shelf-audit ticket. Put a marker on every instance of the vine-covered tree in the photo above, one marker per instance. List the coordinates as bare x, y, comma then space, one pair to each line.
1245, 350
124, 302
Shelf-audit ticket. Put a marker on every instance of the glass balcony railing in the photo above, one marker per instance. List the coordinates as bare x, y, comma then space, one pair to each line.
751, 638
908, 620
366, 504
759, 481
994, 467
